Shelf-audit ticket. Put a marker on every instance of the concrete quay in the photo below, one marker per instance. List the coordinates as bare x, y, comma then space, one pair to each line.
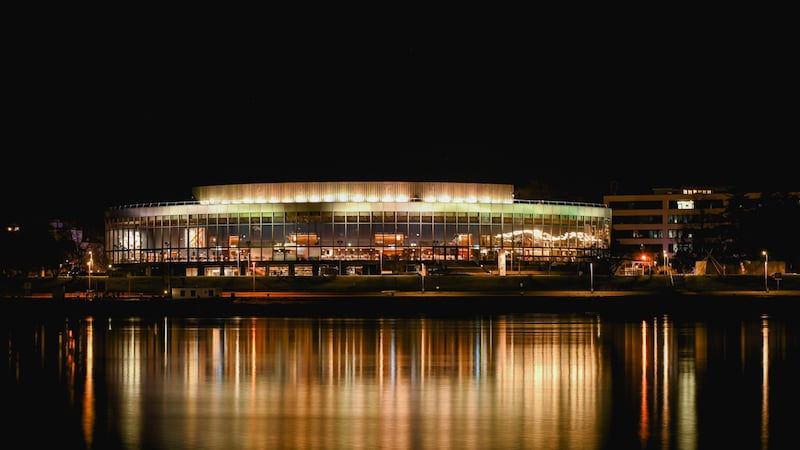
393, 303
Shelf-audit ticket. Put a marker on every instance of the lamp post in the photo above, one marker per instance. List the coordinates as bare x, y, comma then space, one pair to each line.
91, 263
254, 275
766, 265
422, 276
169, 271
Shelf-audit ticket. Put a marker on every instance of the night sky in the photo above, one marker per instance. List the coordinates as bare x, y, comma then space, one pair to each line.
104, 117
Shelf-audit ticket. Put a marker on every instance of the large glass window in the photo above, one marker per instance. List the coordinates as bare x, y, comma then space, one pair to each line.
295, 232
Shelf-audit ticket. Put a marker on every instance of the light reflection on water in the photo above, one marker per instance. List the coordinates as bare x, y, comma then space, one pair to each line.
539, 381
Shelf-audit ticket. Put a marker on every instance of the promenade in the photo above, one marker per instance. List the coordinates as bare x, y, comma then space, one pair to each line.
394, 295
244, 295
393, 303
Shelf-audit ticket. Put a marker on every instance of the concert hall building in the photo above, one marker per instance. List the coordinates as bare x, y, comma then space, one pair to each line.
348, 228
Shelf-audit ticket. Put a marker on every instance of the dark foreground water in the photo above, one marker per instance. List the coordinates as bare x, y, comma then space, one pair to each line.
521, 381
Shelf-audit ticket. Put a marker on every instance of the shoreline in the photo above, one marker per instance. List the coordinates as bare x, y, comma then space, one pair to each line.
391, 303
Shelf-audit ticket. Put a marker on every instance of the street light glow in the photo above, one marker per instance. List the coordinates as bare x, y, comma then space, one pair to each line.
91, 263
766, 266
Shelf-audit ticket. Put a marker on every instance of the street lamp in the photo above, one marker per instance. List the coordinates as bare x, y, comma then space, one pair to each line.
91, 263
169, 269
766, 265
254, 276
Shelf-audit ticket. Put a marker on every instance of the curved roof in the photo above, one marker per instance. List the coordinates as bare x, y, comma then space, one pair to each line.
355, 191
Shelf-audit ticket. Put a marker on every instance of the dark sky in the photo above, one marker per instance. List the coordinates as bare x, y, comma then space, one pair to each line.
104, 116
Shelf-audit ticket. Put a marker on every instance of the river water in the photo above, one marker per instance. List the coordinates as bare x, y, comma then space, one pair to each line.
518, 381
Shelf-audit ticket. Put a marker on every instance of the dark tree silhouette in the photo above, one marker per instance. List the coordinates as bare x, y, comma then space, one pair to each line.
769, 221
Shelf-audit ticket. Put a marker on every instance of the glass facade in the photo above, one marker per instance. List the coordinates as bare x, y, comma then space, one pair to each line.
347, 227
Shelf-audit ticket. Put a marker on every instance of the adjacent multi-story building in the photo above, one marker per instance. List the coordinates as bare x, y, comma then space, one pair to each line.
650, 228
311, 228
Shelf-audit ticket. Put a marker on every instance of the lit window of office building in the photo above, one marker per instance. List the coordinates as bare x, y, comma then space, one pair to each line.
316, 228
662, 223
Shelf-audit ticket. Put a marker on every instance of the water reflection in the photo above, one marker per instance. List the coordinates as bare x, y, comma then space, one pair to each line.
522, 381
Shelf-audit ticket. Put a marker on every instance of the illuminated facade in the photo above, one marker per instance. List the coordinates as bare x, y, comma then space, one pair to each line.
315, 228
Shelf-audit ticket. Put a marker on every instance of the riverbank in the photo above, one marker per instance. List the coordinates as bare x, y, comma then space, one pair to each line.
392, 303
158, 286
393, 295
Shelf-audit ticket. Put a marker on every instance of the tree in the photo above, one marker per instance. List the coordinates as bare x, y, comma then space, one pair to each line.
35, 247
768, 221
